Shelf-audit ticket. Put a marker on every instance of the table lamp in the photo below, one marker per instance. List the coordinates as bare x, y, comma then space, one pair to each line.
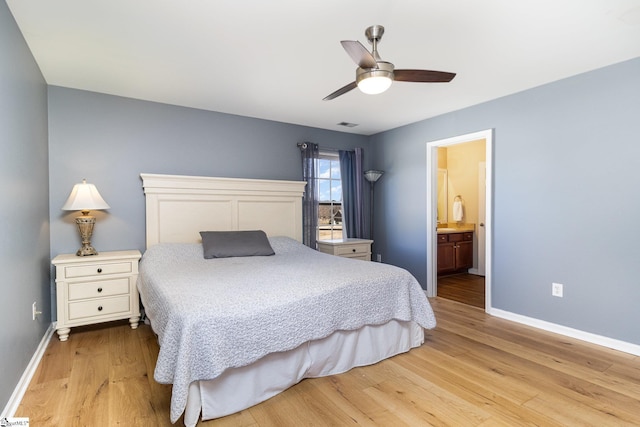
85, 197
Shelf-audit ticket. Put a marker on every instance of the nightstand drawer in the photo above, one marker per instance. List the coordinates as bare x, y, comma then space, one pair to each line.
99, 307
345, 250
97, 269
98, 288
363, 257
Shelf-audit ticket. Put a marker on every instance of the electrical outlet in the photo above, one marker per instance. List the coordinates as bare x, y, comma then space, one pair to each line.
379, 257
556, 289
34, 311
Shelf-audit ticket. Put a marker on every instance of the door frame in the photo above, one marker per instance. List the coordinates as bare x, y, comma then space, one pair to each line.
432, 203
481, 231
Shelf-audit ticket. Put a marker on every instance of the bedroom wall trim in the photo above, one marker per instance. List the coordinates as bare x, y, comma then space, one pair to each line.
567, 331
21, 388
178, 207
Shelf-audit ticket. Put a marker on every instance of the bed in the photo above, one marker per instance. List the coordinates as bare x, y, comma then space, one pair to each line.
237, 330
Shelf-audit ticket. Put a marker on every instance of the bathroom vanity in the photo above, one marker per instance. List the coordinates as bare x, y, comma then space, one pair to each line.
455, 250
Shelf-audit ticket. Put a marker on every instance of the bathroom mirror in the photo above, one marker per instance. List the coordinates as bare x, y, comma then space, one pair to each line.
443, 215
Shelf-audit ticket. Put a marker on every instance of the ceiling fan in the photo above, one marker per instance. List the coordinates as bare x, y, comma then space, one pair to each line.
374, 75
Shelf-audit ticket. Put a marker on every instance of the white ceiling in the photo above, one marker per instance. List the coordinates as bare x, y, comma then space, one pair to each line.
277, 59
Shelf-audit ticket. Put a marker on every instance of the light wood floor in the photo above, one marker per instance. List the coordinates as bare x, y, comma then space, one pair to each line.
473, 370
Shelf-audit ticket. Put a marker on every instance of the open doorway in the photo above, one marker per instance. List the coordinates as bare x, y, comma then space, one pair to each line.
480, 203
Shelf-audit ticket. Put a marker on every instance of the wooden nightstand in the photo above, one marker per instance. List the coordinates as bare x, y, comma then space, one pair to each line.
347, 248
95, 289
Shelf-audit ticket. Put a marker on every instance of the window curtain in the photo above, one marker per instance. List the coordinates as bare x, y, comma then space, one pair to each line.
310, 154
351, 176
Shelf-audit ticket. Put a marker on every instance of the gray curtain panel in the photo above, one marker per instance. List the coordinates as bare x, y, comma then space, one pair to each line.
310, 154
352, 182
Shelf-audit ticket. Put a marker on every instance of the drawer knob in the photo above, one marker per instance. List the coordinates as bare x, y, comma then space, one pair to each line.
99, 290
99, 270
99, 308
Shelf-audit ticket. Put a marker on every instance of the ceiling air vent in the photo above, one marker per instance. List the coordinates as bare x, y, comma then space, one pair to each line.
347, 124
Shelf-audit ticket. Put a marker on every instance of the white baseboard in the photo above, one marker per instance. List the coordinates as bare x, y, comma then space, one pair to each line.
15, 399
569, 332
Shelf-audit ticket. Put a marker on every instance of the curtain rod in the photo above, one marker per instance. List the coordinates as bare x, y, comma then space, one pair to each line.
303, 145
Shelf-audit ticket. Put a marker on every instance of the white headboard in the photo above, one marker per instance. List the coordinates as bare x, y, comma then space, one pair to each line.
179, 207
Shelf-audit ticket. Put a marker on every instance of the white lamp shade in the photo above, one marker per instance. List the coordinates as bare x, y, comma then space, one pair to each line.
84, 197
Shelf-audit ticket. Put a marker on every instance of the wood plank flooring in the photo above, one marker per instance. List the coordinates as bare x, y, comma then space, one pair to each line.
473, 370
464, 288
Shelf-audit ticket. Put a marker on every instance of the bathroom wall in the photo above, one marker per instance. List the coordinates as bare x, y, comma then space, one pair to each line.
462, 166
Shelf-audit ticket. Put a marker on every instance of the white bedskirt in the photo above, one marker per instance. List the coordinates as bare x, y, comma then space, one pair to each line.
240, 388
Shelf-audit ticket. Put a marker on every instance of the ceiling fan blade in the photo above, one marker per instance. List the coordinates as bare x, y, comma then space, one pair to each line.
359, 54
341, 91
423, 76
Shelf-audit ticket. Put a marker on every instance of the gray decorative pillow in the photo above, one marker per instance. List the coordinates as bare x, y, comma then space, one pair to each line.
225, 244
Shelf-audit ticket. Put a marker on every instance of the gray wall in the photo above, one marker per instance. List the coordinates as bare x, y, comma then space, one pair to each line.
110, 140
566, 199
24, 208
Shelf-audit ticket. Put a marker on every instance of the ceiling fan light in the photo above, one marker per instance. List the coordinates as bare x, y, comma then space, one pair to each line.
374, 85
373, 81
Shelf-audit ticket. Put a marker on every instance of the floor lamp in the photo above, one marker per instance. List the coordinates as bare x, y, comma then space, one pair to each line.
372, 176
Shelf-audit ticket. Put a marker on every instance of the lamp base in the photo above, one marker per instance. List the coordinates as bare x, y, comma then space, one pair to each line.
85, 226
86, 250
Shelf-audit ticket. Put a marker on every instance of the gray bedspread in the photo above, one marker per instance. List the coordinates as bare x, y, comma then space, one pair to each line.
214, 314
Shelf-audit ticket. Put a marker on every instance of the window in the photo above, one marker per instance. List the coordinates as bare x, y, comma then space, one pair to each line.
329, 197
